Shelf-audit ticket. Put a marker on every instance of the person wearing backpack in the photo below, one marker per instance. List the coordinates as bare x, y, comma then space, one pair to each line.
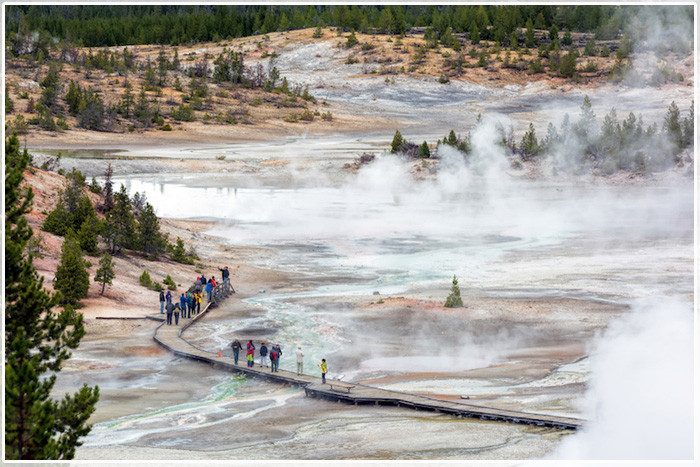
274, 359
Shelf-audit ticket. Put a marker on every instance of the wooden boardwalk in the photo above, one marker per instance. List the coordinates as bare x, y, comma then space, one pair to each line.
171, 338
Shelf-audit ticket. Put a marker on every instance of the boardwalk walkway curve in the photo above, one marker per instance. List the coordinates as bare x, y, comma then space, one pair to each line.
171, 338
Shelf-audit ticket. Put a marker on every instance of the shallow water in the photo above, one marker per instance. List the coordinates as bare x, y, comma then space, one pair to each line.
504, 240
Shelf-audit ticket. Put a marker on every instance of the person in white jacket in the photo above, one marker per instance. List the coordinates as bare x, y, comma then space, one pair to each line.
300, 361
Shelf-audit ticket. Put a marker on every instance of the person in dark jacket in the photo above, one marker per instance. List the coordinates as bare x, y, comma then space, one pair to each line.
183, 305
169, 308
190, 304
237, 347
263, 354
162, 300
273, 360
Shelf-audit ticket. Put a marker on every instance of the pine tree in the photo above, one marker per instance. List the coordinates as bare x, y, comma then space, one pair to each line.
58, 221
89, 232
474, 33
108, 202
397, 143
672, 125
452, 139
179, 254
567, 67
454, 300
529, 34
424, 150
37, 340
529, 144
585, 127
72, 277
105, 273
150, 241
688, 130
127, 100
119, 228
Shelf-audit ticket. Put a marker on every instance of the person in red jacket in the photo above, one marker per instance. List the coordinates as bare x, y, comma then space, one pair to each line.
250, 351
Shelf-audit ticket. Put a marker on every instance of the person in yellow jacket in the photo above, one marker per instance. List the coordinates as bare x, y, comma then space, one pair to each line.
324, 370
198, 300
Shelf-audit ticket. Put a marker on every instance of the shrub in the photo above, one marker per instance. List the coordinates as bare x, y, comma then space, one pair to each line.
183, 113
443, 79
307, 115
590, 67
291, 118
145, 280
352, 40
170, 283
166, 127
20, 125
536, 66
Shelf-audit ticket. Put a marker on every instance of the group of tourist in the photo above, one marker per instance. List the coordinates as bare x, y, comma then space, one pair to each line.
274, 353
190, 305
191, 301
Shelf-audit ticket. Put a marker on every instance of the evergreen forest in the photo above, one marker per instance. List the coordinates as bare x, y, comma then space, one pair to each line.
114, 25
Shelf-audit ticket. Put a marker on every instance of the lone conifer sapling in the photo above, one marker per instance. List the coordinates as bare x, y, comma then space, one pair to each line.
454, 300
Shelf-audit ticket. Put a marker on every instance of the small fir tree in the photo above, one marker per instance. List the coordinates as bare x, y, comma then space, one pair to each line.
179, 254
150, 241
72, 277
454, 300
397, 142
105, 273
89, 231
529, 144
424, 150
58, 221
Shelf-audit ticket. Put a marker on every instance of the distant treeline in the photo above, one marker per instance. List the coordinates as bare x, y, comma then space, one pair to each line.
116, 25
